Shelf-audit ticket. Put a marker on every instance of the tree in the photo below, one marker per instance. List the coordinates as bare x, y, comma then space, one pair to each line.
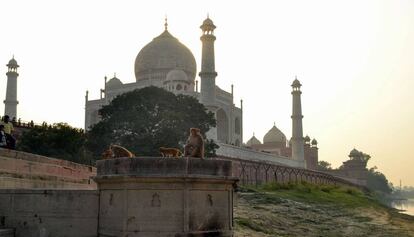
59, 140
377, 181
324, 165
144, 120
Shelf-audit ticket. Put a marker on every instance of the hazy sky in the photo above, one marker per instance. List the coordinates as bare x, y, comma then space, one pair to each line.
355, 60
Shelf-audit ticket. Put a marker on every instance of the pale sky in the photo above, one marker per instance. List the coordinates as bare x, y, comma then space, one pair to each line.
355, 60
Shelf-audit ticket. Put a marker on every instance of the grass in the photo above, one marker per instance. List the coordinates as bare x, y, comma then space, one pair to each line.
306, 192
252, 225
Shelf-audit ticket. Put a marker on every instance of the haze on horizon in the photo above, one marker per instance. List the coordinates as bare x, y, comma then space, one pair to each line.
355, 60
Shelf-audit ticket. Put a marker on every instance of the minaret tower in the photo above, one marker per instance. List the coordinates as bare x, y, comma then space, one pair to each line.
10, 103
208, 72
297, 129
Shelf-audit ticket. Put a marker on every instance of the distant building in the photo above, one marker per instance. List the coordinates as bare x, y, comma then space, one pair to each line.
354, 169
299, 147
275, 142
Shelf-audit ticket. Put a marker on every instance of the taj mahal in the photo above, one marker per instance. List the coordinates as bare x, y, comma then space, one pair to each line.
167, 63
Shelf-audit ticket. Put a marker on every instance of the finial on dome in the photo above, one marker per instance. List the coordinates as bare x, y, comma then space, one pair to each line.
114, 74
166, 22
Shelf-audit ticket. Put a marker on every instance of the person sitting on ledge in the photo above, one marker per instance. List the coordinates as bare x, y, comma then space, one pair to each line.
195, 144
8, 129
3, 142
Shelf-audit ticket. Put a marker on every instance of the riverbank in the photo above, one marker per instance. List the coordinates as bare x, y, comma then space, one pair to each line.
309, 210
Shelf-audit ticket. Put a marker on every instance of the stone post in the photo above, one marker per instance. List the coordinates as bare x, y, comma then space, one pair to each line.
165, 197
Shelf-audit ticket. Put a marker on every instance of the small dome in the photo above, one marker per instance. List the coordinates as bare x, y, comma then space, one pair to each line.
307, 138
296, 83
208, 21
12, 63
253, 141
354, 153
274, 135
314, 142
114, 82
176, 75
208, 25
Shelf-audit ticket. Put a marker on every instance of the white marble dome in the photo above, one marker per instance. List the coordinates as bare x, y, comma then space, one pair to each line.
163, 54
113, 83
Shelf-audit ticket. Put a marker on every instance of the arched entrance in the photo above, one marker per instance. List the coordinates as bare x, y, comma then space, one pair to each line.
222, 126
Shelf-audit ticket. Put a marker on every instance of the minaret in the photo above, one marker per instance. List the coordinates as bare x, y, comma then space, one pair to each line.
208, 72
297, 129
10, 103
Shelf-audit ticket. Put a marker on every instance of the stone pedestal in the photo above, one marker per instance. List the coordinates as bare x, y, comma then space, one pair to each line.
148, 197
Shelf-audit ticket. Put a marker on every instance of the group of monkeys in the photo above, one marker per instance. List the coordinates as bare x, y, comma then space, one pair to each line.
194, 148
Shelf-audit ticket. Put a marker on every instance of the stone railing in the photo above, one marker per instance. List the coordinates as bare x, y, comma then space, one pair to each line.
261, 172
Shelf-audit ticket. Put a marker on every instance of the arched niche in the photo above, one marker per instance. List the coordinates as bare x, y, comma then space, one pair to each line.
222, 126
237, 125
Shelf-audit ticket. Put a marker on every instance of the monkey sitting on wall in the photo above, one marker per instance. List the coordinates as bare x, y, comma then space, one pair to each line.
195, 144
170, 152
115, 151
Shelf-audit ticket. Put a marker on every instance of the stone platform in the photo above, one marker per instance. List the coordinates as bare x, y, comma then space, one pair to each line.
165, 197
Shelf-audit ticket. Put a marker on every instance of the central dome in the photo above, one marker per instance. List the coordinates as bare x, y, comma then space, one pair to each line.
163, 54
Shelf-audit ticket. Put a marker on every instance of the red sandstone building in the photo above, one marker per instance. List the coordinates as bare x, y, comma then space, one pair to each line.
275, 142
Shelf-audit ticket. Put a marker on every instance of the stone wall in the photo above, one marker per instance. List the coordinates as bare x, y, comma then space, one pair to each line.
21, 170
136, 197
50, 213
230, 151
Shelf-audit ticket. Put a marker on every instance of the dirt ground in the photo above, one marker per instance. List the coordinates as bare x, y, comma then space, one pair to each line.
260, 214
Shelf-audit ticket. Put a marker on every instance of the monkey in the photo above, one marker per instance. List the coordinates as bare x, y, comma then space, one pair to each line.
170, 152
195, 144
115, 151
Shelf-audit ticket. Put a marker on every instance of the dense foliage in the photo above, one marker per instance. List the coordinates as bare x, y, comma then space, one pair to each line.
324, 165
146, 119
377, 181
58, 140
